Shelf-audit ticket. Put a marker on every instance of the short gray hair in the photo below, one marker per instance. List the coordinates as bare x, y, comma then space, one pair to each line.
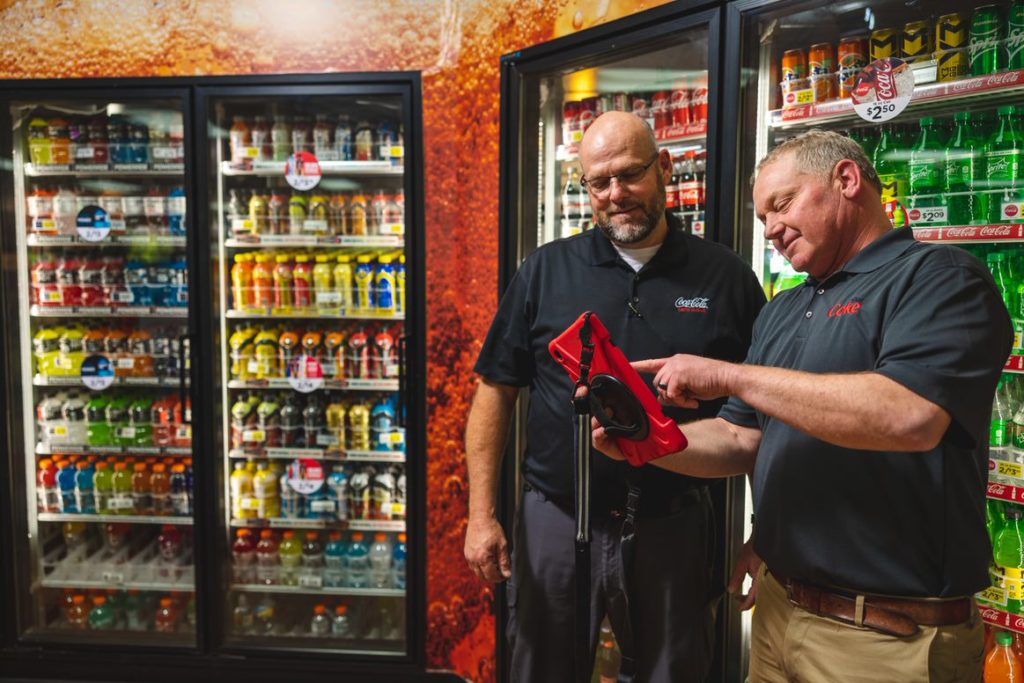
818, 151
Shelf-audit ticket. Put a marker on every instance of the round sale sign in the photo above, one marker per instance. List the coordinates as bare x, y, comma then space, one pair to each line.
93, 224
306, 476
302, 171
883, 89
97, 372
305, 374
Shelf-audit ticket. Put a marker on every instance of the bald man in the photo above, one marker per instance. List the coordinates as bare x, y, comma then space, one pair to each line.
660, 292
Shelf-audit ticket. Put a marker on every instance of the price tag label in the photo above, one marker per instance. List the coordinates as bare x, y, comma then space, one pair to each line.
250, 503
84, 152
327, 440
251, 152
97, 372
1013, 583
59, 430
393, 229
883, 89
302, 171
993, 594
305, 374
253, 366
322, 506
242, 225
163, 153
44, 224
1009, 469
328, 298
928, 215
396, 151
576, 135
126, 362
122, 503
185, 432
113, 577
93, 224
256, 435
1013, 210
123, 296
311, 581
53, 296
314, 225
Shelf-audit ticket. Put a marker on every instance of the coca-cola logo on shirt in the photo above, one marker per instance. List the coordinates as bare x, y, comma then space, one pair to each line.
849, 308
696, 304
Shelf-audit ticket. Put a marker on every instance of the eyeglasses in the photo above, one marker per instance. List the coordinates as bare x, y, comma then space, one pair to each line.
630, 176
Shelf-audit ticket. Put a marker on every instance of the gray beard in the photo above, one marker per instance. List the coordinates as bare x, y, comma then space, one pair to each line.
630, 233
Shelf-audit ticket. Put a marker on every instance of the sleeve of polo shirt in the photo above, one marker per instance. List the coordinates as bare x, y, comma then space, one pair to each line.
505, 357
946, 340
736, 410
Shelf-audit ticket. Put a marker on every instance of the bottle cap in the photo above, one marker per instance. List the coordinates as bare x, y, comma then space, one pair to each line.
1004, 638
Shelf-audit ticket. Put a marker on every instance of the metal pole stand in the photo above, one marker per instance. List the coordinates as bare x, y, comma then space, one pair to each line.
581, 460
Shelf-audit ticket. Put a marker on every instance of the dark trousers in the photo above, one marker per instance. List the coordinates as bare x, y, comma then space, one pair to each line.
673, 617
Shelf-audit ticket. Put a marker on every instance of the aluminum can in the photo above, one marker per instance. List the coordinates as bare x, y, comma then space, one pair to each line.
885, 42
952, 32
794, 65
918, 41
852, 57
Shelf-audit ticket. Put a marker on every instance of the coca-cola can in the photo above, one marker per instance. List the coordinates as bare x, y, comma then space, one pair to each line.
570, 120
699, 104
589, 110
621, 102
680, 105
660, 109
642, 107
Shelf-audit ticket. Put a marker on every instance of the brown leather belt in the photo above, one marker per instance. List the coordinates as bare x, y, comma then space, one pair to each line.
894, 616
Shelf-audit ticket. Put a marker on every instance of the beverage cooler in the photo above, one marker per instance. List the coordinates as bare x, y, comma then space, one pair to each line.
950, 163
214, 377
660, 64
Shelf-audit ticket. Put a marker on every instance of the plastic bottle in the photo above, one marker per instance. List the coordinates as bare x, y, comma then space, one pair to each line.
64, 211
380, 561
1002, 665
39, 142
239, 139
134, 611
398, 563
302, 282
283, 277
160, 490
964, 173
384, 286
281, 138
341, 627
243, 553
343, 282
357, 570
1008, 553
181, 499
311, 574
320, 624
337, 485
891, 164
75, 538
1004, 166
264, 487
241, 491
176, 206
103, 488
926, 168
364, 300
264, 616
46, 487
277, 214
262, 282
78, 613
334, 561
85, 495
290, 554
292, 502
101, 616
140, 489
298, 210
66, 474
267, 563
166, 620
322, 147
261, 139
608, 658
242, 616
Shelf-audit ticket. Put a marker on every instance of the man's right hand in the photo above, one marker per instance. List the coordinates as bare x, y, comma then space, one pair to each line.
487, 550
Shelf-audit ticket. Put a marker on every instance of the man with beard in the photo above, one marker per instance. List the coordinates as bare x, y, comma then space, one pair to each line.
659, 291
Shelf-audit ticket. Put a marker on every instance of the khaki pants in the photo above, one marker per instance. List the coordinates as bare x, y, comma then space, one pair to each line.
789, 644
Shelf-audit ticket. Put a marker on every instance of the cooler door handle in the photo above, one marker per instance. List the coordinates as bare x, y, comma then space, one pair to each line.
402, 381
184, 365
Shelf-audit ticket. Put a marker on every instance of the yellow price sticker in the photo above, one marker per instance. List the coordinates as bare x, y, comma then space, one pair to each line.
804, 96
1010, 469
993, 594
397, 151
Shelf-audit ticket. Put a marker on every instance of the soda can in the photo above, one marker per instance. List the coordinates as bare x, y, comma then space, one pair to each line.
660, 109
918, 41
853, 56
794, 65
951, 32
821, 59
640, 104
952, 65
604, 103
680, 105
570, 120
988, 31
621, 102
699, 103
588, 112
885, 42
1015, 36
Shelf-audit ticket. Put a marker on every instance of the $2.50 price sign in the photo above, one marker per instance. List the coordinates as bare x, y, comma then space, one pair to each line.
883, 89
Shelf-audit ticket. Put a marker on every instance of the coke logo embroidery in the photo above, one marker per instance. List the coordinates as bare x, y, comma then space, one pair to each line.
849, 308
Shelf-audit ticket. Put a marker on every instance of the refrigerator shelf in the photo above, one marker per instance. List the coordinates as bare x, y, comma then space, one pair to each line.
345, 384
276, 241
953, 234
51, 449
128, 519
666, 137
86, 584
975, 89
104, 170
37, 311
252, 315
77, 381
36, 240
318, 454
301, 590
342, 168
342, 525
1002, 618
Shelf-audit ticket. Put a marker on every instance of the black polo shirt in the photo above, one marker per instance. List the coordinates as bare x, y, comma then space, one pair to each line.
693, 296
913, 524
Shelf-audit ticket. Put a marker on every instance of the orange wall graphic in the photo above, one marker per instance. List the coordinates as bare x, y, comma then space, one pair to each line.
457, 44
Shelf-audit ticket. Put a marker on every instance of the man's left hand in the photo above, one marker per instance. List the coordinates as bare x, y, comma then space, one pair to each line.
603, 442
